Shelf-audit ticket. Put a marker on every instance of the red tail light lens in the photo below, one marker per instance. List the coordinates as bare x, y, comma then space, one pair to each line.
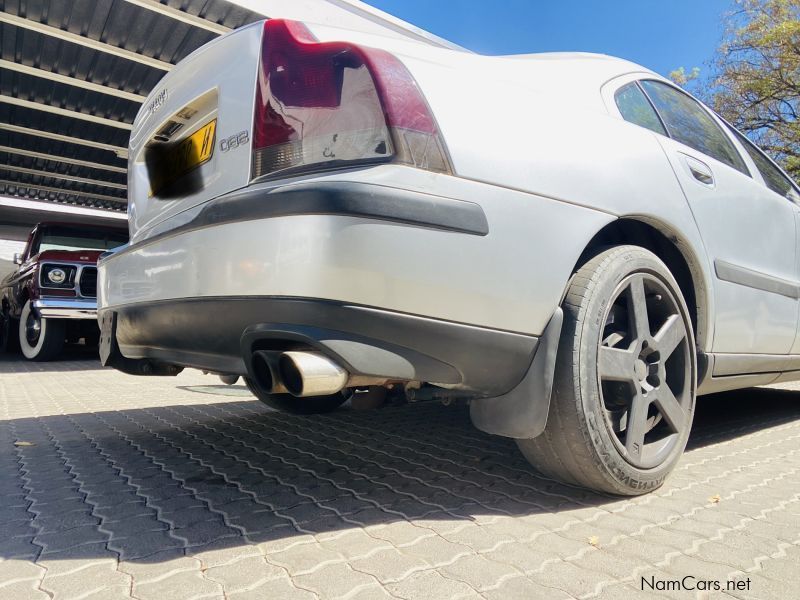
333, 104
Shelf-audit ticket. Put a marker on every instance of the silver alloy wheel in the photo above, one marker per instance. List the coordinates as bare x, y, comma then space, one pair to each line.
645, 378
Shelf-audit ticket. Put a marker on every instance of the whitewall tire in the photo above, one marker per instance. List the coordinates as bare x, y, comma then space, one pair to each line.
39, 339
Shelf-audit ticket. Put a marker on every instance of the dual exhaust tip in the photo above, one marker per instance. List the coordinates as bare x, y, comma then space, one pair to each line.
299, 373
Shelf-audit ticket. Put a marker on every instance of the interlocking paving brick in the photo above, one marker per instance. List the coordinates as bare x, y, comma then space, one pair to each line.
431, 584
181, 487
178, 585
23, 589
479, 572
389, 565
274, 588
522, 588
94, 578
335, 581
245, 574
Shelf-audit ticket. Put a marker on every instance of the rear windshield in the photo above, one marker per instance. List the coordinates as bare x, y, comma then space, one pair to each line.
68, 238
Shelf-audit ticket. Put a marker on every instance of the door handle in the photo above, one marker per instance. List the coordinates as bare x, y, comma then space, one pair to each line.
700, 171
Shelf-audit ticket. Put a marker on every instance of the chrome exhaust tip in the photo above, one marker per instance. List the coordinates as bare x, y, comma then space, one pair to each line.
265, 372
310, 374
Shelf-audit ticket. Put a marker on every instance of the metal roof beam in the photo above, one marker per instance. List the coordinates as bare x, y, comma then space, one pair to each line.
73, 81
62, 159
54, 190
74, 38
72, 114
118, 150
64, 177
179, 15
56, 207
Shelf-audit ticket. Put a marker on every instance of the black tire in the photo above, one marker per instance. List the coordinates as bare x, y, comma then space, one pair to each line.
9, 340
623, 396
40, 339
298, 406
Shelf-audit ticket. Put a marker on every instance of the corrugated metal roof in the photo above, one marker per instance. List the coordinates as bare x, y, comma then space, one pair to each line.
131, 25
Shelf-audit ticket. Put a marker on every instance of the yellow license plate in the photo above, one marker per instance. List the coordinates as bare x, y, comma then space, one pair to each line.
183, 157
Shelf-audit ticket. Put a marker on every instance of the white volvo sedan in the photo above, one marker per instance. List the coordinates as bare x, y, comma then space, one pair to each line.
568, 242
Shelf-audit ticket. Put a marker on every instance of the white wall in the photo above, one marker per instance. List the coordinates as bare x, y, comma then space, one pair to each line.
7, 250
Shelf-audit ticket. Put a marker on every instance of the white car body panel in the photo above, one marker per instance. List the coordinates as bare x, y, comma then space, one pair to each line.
374, 263
535, 141
758, 233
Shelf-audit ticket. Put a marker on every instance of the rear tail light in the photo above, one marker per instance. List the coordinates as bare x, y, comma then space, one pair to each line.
333, 104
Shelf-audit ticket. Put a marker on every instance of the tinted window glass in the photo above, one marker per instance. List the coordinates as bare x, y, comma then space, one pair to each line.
67, 238
689, 123
775, 180
635, 108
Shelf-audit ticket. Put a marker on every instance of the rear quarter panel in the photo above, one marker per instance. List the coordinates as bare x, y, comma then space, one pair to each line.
557, 142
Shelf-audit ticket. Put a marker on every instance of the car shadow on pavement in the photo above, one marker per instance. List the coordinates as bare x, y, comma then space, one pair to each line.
152, 484
729, 415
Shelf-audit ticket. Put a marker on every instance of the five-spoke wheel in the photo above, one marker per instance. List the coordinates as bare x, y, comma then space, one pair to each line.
624, 388
641, 365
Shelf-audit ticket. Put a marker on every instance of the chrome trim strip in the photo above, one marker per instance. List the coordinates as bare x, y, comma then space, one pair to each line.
66, 308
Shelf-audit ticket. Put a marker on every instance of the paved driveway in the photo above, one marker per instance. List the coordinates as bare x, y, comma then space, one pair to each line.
114, 486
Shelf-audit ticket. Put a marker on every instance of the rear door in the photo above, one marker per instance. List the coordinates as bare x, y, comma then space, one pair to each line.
748, 231
778, 185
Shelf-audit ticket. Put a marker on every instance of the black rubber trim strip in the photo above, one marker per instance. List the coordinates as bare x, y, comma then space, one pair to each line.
726, 364
753, 279
349, 199
343, 198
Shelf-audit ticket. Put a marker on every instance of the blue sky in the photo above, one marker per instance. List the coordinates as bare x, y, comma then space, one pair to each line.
659, 34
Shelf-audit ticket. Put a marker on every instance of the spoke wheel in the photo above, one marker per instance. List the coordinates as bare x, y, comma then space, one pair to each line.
625, 377
642, 368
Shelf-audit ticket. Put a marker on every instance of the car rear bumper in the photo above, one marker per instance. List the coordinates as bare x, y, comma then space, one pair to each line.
220, 334
397, 277
66, 308
508, 377
388, 237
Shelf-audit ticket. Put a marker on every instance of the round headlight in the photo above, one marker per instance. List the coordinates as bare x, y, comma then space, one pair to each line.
57, 276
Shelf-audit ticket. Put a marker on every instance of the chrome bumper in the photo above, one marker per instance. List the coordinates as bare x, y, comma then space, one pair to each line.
66, 308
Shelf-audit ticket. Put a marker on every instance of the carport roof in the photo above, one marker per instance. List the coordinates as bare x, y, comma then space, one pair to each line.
72, 77
73, 74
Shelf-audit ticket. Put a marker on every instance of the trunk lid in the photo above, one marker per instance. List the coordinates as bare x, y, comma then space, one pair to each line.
191, 139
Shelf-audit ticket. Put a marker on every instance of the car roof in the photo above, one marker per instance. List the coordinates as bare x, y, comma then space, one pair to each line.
581, 66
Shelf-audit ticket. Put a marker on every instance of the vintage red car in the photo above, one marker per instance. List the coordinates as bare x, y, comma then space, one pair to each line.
51, 297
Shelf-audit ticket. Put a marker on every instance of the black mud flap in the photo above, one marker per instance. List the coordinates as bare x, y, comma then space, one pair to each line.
111, 356
522, 412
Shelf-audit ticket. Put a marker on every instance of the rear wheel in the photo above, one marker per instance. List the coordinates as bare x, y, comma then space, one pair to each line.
624, 388
40, 339
299, 406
